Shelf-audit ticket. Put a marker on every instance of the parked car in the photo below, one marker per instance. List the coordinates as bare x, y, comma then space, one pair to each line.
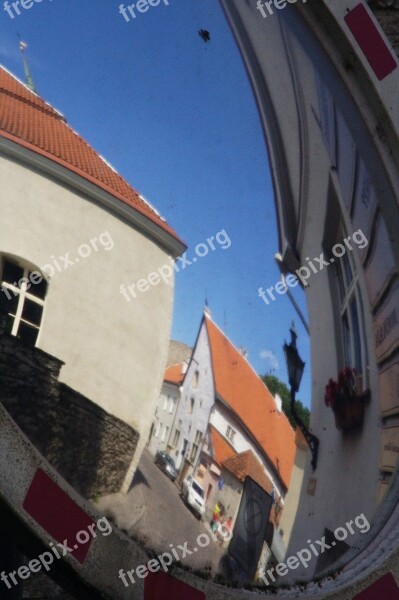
166, 464
193, 493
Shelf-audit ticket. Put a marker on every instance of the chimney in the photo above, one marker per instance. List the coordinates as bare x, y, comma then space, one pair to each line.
278, 402
243, 351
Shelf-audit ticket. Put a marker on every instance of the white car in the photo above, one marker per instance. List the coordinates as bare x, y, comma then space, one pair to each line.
193, 494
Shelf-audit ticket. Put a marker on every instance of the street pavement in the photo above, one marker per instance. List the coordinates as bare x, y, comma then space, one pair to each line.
154, 513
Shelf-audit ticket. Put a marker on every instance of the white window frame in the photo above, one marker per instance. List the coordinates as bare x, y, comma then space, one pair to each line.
195, 446
163, 437
347, 293
176, 438
22, 294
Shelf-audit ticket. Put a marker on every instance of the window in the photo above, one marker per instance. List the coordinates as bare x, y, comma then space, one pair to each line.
354, 353
195, 447
195, 380
191, 406
165, 433
176, 438
230, 433
165, 403
171, 404
22, 297
157, 430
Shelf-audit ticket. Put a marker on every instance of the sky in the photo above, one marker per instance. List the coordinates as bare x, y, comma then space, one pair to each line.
175, 115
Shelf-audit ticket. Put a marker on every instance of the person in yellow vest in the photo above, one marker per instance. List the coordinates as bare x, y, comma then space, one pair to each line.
215, 517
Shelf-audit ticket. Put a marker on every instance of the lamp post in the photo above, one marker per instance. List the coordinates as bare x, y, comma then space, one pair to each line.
295, 367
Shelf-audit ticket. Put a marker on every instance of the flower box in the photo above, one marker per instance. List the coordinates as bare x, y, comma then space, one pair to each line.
347, 399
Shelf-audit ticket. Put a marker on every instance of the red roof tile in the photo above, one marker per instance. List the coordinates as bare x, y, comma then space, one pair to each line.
220, 446
174, 374
245, 465
29, 121
244, 392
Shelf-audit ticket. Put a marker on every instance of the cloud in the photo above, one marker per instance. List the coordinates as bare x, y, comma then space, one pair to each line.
271, 359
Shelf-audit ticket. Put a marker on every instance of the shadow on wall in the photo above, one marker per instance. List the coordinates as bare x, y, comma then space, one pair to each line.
90, 448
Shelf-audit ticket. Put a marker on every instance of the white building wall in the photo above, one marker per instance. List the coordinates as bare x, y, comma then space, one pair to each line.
321, 110
203, 395
114, 350
221, 418
164, 418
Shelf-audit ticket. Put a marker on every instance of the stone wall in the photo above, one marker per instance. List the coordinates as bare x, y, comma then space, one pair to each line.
90, 448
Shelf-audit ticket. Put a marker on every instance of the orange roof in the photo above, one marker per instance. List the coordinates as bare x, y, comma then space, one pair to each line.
244, 392
30, 122
174, 374
221, 448
246, 464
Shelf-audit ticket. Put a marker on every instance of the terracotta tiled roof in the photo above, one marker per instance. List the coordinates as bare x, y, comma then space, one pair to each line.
247, 465
221, 448
174, 374
244, 392
29, 121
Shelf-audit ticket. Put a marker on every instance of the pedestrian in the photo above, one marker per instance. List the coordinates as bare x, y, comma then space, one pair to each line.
215, 517
223, 532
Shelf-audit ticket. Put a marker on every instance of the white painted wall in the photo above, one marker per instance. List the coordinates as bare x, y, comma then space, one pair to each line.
282, 57
165, 414
114, 351
221, 418
203, 396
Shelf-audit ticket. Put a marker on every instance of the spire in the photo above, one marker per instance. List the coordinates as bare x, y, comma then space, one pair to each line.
28, 76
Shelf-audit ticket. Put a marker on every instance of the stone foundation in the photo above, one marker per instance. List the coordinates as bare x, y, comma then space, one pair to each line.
90, 448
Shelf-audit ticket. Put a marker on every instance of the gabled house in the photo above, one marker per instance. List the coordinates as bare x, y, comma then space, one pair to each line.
227, 424
246, 428
75, 236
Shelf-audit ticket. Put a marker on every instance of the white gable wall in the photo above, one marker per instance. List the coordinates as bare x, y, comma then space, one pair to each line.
221, 418
203, 395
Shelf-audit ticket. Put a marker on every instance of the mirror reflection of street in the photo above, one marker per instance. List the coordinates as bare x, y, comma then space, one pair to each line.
154, 513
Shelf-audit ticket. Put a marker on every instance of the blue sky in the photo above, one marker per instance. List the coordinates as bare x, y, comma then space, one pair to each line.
176, 117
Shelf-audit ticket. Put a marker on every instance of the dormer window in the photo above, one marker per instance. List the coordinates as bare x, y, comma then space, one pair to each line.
22, 295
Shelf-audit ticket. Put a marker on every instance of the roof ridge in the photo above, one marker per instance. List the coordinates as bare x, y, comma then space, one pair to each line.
175, 364
47, 108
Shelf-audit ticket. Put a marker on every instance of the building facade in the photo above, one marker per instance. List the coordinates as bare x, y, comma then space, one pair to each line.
76, 235
328, 105
165, 412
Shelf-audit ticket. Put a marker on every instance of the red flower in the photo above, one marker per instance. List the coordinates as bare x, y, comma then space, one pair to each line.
342, 391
